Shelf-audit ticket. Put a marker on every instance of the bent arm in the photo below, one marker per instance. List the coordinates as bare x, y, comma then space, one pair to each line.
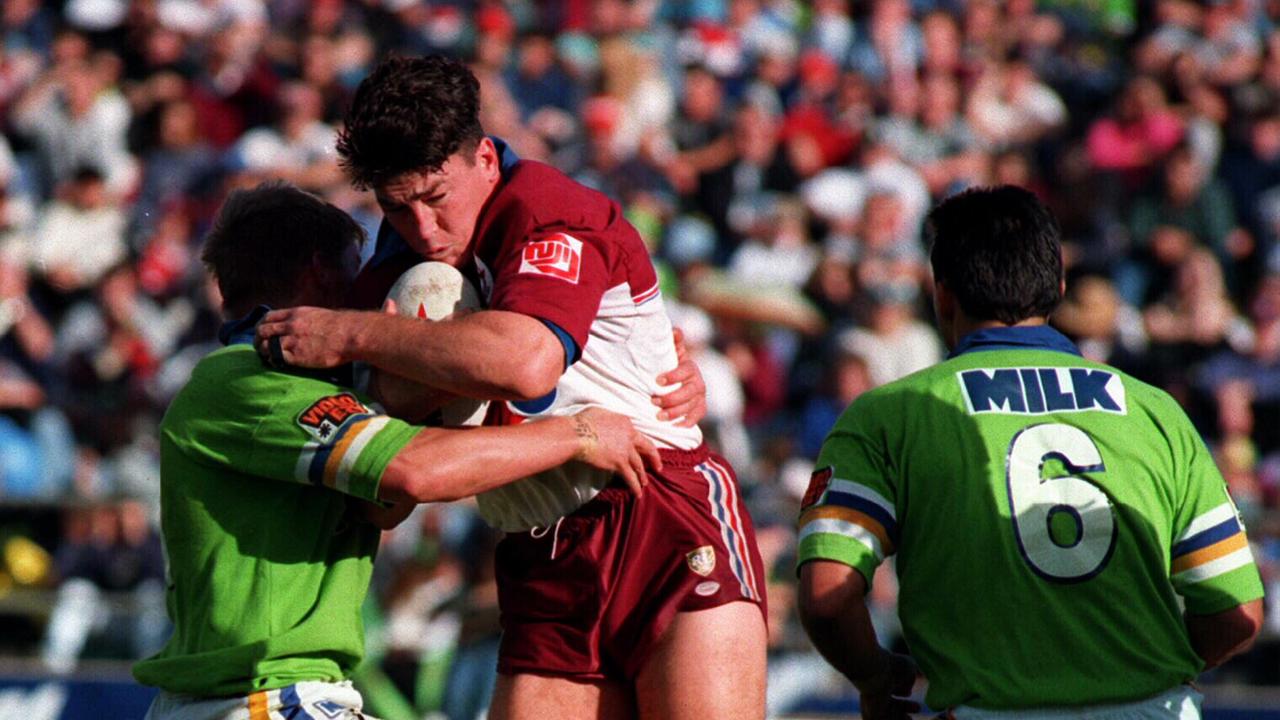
1221, 636
490, 354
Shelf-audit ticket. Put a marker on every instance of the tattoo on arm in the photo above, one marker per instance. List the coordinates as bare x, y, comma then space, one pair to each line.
587, 436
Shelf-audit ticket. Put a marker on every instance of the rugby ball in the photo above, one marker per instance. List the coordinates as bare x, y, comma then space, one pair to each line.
436, 291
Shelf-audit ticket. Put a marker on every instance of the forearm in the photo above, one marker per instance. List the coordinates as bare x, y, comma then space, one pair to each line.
1219, 637
491, 354
834, 612
848, 641
441, 465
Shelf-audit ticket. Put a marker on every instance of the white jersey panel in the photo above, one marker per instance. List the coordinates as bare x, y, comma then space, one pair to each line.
628, 346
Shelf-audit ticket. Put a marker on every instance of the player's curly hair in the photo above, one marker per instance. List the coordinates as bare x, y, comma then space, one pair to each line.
263, 239
409, 114
998, 249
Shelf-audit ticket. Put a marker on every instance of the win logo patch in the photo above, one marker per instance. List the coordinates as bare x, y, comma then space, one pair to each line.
558, 255
325, 416
1042, 390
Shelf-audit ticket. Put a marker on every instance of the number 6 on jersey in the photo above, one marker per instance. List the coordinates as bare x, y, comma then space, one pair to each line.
1065, 525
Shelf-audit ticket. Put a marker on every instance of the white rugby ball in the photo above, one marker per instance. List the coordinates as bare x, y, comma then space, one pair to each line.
436, 291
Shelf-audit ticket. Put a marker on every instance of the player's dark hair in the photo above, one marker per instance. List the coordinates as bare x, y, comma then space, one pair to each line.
409, 114
266, 236
998, 250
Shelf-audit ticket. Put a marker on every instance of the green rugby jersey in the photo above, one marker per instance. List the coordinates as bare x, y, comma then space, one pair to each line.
267, 564
1045, 512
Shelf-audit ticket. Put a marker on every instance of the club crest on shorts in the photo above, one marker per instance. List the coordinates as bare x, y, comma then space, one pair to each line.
818, 483
702, 560
326, 416
558, 255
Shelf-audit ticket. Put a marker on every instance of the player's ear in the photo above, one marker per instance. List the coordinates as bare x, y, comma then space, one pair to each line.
943, 300
486, 157
323, 282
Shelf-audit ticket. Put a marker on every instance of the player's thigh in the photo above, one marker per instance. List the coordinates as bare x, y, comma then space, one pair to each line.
709, 665
524, 696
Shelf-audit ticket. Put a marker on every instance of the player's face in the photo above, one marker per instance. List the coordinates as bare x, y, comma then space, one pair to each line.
436, 212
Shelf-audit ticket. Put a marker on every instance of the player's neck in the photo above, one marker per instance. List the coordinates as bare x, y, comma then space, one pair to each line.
964, 326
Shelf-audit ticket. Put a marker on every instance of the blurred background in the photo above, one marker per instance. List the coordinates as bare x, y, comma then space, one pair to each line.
778, 157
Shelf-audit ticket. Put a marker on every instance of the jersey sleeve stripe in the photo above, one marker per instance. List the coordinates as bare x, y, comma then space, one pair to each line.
338, 450
347, 463
1204, 539
848, 487
1208, 554
844, 528
645, 295
1219, 514
883, 520
855, 517
1216, 567
316, 472
302, 471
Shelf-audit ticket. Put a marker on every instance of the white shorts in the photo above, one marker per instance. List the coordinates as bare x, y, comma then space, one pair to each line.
314, 700
1180, 703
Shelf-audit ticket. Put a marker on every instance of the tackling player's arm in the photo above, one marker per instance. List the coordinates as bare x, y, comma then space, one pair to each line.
489, 354
1223, 635
444, 464
833, 610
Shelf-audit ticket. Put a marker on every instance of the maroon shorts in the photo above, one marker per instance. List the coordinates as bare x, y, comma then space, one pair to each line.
589, 597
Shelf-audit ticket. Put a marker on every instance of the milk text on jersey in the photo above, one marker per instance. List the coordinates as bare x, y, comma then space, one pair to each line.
1041, 390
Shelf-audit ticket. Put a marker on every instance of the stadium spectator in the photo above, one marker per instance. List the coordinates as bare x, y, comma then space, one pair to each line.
111, 568
77, 121
80, 236
1190, 209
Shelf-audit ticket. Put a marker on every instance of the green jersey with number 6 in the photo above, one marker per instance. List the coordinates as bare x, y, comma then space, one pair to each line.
1046, 513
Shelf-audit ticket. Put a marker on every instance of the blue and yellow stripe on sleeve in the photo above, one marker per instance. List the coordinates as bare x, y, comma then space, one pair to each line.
853, 512
330, 464
1213, 544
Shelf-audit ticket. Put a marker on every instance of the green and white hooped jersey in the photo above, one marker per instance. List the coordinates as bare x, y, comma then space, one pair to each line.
268, 565
1049, 516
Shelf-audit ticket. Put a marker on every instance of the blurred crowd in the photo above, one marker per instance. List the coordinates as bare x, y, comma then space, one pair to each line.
778, 156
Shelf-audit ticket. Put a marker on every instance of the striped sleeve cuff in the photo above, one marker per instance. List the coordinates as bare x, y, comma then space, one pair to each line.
1212, 544
353, 461
852, 524
1211, 564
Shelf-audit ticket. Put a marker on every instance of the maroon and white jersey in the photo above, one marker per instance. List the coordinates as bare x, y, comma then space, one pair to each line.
558, 251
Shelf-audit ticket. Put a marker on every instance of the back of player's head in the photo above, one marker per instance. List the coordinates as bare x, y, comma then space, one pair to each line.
999, 252
265, 237
409, 114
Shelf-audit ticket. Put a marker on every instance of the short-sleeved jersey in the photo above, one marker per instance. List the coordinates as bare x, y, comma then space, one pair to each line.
267, 565
1046, 513
551, 248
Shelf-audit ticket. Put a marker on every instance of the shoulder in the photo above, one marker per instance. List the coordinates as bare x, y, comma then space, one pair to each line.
887, 405
549, 198
231, 385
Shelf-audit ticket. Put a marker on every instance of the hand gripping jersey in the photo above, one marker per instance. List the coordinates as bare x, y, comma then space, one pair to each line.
267, 565
1046, 513
548, 247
